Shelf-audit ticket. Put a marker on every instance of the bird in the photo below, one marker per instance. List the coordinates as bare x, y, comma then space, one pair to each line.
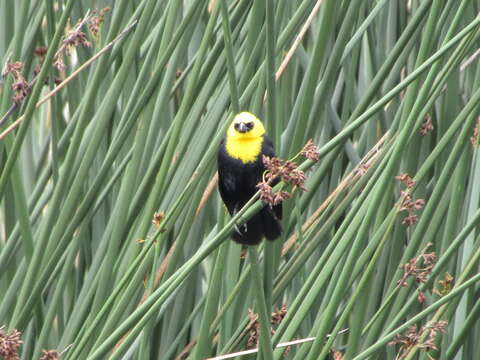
240, 169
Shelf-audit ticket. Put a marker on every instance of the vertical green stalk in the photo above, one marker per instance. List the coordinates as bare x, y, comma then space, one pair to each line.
32, 99
204, 343
274, 129
263, 314
232, 78
307, 91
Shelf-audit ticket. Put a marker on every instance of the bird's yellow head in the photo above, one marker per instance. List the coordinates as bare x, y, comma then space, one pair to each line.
245, 137
245, 125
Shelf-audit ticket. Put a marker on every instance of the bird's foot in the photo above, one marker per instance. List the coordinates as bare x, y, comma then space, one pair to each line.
235, 226
237, 229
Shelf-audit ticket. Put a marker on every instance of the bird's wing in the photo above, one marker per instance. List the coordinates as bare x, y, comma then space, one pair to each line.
268, 148
224, 180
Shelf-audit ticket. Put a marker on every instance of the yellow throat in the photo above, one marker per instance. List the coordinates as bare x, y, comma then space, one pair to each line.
245, 146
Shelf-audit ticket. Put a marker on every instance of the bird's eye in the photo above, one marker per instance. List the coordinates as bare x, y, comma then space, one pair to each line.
249, 125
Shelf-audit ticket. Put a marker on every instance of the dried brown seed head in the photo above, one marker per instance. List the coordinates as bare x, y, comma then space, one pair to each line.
427, 125
310, 151
50, 355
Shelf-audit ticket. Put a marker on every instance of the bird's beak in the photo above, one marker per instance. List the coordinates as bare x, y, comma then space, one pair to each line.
241, 127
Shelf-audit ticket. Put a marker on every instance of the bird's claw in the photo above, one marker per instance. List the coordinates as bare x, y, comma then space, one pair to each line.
237, 229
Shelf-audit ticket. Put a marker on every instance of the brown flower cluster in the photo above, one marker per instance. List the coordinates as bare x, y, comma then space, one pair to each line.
408, 203
9, 344
286, 171
406, 180
310, 151
254, 326
474, 138
413, 338
158, 218
50, 355
415, 270
96, 21
337, 355
40, 53
268, 196
76, 38
427, 125
278, 169
20, 86
73, 39
445, 285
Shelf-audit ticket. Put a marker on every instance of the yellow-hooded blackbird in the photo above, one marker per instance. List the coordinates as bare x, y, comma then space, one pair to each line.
240, 169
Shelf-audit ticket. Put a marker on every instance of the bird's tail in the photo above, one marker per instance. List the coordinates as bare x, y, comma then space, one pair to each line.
272, 229
264, 223
249, 233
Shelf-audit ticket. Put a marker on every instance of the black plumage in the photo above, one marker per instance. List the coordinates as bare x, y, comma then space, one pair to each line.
237, 184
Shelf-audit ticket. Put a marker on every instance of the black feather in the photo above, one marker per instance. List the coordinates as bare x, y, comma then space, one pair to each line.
237, 184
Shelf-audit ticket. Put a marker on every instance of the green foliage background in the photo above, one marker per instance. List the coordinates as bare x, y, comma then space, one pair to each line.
137, 131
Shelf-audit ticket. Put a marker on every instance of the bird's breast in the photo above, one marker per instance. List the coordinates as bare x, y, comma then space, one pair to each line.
245, 150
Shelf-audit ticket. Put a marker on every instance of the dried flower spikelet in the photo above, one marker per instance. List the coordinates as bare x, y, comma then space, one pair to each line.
96, 21
40, 53
429, 258
407, 341
287, 351
59, 64
337, 355
427, 125
445, 285
71, 40
178, 73
75, 38
273, 166
413, 269
296, 178
474, 139
287, 170
13, 68
50, 355
310, 151
254, 329
20, 90
406, 180
280, 197
254, 325
266, 193
413, 337
410, 220
158, 218
279, 314
433, 328
421, 297
408, 203
19, 86
9, 344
